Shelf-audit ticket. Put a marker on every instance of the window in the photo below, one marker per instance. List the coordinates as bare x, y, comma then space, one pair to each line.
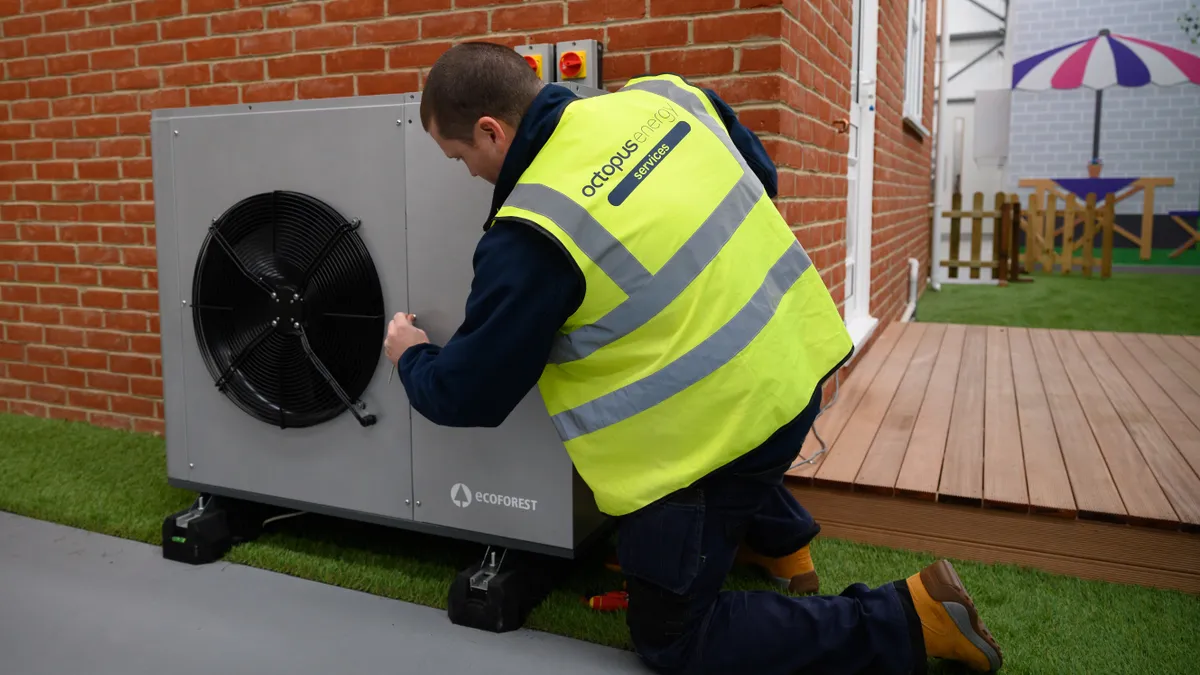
914, 63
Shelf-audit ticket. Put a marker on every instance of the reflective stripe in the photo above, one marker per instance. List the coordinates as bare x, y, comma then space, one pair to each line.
692, 103
597, 243
675, 276
700, 362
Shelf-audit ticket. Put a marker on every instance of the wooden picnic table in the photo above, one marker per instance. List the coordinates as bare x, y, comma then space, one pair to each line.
1121, 188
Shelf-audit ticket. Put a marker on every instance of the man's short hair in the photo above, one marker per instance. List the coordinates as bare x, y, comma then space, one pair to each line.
473, 80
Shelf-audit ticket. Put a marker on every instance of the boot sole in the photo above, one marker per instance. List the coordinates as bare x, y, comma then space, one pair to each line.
940, 578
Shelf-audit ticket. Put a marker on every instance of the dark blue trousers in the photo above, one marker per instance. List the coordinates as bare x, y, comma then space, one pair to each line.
676, 553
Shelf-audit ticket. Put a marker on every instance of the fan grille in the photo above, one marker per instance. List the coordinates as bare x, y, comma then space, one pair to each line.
288, 309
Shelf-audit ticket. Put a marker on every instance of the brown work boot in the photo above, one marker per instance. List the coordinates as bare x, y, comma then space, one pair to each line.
949, 623
795, 572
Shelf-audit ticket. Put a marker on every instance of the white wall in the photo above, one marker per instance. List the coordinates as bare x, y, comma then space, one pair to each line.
1148, 131
991, 72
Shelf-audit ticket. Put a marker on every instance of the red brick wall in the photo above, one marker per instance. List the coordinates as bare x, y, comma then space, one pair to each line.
77, 263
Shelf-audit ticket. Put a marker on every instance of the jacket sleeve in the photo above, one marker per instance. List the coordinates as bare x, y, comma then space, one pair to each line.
749, 145
524, 289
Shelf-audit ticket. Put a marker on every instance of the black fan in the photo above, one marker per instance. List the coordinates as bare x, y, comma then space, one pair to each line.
288, 310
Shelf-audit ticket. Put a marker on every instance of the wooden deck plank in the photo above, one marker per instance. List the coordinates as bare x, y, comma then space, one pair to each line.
1184, 348
922, 468
1144, 409
1174, 360
842, 466
1094, 490
1003, 456
831, 423
1178, 390
1045, 470
886, 454
1143, 497
962, 467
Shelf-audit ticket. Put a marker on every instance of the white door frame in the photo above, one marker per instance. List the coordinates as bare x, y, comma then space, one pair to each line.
861, 172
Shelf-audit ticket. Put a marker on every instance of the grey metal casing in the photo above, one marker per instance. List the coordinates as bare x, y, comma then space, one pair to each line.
422, 215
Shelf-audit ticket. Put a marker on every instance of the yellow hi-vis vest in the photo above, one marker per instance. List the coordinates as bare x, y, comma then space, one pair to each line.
704, 326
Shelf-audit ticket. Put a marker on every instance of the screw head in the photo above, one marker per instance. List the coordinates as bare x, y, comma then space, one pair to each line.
418, 502
274, 296
191, 466
274, 322
176, 132
296, 324
183, 301
407, 502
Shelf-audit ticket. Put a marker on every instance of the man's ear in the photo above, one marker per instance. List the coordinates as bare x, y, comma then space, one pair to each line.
491, 128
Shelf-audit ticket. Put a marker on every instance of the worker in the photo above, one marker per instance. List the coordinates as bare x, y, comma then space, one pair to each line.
635, 270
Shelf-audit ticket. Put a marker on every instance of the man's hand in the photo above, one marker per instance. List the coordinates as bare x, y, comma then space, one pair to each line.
402, 334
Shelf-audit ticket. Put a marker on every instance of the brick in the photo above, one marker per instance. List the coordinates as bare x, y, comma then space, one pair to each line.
51, 88
23, 333
128, 405
528, 17
324, 37
454, 25
387, 83
106, 341
45, 394
49, 171
128, 364
88, 399
89, 40
162, 98
144, 213
108, 382
738, 28
761, 59
43, 315
209, 6
265, 43
185, 75
356, 60
31, 110
157, 55
83, 318
590, 11
237, 22
244, 71
61, 21
269, 91
58, 296
299, 65
120, 147
26, 373
96, 126
68, 64
30, 232
676, 7
354, 10
122, 235
149, 10
123, 192
110, 14
12, 49
118, 103
416, 56
145, 426
25, 69
402, 7
147, 78
34, 192
135, 34
74, 107
46, 356
693, 62
326, 87
294, 16
66, 337
143, 301
22, 26
68, 414
138, 168
32, 6
392, 31
666, 33
18, 294
145, 344
211, 48
182, 29
13, 91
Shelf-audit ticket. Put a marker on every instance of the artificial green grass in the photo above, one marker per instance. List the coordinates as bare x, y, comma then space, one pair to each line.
1138, 303
114, 482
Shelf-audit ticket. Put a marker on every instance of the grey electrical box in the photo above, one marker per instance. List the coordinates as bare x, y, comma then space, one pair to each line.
579, 62
540, 58
288, 234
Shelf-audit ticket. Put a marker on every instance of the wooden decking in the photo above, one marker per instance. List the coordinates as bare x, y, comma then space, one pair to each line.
1072, 451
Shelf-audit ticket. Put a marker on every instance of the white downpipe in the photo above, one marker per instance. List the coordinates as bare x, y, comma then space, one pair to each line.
914, 271
939, 172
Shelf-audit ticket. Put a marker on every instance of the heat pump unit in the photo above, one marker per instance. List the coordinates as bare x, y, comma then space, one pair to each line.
288, 234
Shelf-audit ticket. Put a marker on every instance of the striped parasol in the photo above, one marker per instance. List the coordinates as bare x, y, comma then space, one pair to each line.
1104, 61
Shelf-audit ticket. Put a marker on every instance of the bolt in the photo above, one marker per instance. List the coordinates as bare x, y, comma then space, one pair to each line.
214, 221
407, 502
355, 222
398, 122
191, 466
275, 322
295, 296
296, 324
176, 132
273, 295
184, 302
418, 502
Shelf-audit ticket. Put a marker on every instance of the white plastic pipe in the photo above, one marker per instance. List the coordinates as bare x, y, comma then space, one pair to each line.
914, 271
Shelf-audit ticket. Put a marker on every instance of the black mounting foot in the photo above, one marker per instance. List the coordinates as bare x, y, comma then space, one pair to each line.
207, 530
498, 593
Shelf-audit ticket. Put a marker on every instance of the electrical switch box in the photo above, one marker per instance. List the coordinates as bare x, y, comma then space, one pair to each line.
540, 58
579, 62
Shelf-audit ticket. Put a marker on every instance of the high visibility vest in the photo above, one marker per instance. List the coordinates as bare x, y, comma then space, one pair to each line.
704, 327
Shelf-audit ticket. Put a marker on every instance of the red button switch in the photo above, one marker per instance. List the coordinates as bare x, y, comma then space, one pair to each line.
533, 63
571, 64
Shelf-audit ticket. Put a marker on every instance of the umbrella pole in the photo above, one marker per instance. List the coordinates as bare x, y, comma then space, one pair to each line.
1096, 125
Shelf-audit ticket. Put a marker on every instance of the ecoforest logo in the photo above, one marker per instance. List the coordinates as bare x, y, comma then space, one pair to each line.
657, 153
462, 497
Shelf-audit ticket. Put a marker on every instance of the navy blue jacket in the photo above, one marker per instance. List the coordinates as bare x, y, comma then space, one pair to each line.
525, 287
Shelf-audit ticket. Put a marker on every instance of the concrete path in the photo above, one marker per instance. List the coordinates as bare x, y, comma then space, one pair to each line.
76, 603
